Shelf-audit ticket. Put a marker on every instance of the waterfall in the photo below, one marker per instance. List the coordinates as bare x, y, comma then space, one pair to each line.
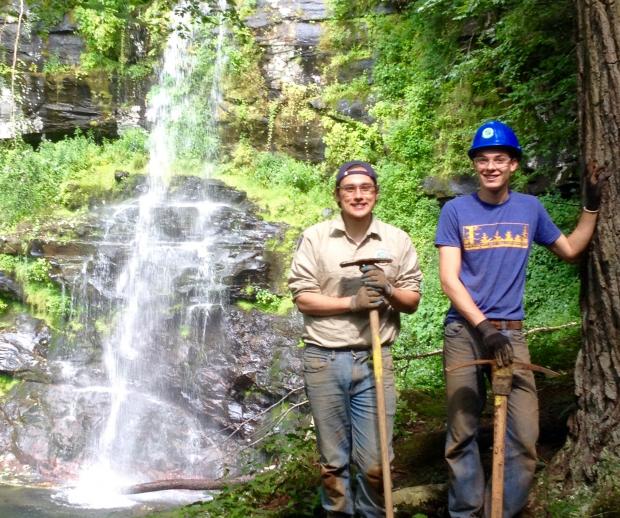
158, 267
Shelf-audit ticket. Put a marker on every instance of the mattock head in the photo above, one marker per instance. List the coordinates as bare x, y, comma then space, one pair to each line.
501, 379
366, 261
504, 374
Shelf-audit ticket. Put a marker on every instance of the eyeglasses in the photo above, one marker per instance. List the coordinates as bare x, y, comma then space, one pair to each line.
500, 161
365, 188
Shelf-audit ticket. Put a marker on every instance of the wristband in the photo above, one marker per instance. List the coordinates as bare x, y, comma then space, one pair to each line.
590, 211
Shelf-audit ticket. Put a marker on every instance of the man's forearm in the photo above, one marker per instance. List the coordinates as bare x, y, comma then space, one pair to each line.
581, 236
449, 268
569, 248
462, 301
319, 305
405, 301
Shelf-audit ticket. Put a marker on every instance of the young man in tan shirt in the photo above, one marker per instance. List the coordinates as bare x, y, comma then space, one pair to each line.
335, 302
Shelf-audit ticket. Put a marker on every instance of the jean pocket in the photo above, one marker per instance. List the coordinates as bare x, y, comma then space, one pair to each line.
453, 329
314, 362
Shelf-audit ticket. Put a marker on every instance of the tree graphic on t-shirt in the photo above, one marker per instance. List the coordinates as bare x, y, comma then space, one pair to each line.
505, 235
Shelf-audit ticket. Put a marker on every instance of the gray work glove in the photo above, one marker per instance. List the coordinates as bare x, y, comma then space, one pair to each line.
374, 277
366, 298
593, 185
496, 343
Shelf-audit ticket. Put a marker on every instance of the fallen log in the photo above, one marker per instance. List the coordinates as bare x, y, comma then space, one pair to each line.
194, 484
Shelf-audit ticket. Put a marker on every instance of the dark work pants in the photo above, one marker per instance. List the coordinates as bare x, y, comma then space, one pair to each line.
466, 395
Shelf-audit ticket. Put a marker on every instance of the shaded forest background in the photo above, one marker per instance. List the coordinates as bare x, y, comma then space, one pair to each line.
401, 84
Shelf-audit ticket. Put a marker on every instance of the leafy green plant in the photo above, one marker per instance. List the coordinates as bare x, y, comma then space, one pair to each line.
280, 185
6, 384
289, 489
67, 174
266, 301
41, 293
53, 65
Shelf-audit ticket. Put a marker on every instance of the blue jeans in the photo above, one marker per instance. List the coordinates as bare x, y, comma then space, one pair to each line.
468, 496
341, 390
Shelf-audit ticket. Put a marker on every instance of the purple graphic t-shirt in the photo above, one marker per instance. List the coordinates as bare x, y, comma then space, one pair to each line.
495, 242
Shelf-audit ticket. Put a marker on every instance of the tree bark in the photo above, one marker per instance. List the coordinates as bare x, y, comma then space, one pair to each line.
594, 430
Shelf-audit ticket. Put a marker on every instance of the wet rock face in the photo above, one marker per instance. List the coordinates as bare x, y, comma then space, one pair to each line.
23, 349
56, 102
290, 33
10, 288
447, 188
219, 368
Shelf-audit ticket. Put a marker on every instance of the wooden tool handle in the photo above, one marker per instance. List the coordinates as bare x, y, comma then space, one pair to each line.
377, 362
499, 440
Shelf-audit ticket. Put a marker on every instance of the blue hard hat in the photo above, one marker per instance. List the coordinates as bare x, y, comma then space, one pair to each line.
495, 134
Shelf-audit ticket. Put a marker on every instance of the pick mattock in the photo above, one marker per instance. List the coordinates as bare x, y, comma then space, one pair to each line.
378, 372
501, 382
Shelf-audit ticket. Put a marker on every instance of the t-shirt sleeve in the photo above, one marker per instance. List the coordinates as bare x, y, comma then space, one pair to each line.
547, 232
448, 227
302, 277
409, 276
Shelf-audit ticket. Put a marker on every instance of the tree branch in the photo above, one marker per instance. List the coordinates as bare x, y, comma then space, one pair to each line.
253, 418
550, 328
186, 483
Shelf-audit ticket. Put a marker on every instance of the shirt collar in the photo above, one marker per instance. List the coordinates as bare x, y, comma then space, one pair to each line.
339, 228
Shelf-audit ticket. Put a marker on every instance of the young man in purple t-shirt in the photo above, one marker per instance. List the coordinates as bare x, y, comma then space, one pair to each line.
484, 240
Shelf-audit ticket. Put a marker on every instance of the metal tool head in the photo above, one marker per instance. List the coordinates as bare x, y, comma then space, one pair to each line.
366, 261
513, 365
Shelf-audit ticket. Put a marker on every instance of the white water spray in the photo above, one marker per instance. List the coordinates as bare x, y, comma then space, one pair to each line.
147, 435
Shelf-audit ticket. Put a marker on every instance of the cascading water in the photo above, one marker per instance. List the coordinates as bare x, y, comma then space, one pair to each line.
164, 305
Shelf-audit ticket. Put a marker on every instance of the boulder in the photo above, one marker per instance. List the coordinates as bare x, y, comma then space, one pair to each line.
10, 288
23, 349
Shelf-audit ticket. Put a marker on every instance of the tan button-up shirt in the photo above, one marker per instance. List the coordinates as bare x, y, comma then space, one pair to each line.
316, 269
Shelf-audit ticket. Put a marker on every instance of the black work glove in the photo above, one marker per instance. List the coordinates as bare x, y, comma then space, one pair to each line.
593, 185
496, 343
374, 277
366, 298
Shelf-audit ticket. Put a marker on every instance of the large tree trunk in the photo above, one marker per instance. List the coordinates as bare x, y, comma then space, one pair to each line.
595, 428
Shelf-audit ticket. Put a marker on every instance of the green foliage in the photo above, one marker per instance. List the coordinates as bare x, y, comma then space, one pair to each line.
443, 67
266, 301
589, 501
66, 174
6, 384
289, 490
106, 25
8, 263
557, 350
280, 184
349, 141
45, 14
41, 293
53, 65
245, 7
282, 170
552, 286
